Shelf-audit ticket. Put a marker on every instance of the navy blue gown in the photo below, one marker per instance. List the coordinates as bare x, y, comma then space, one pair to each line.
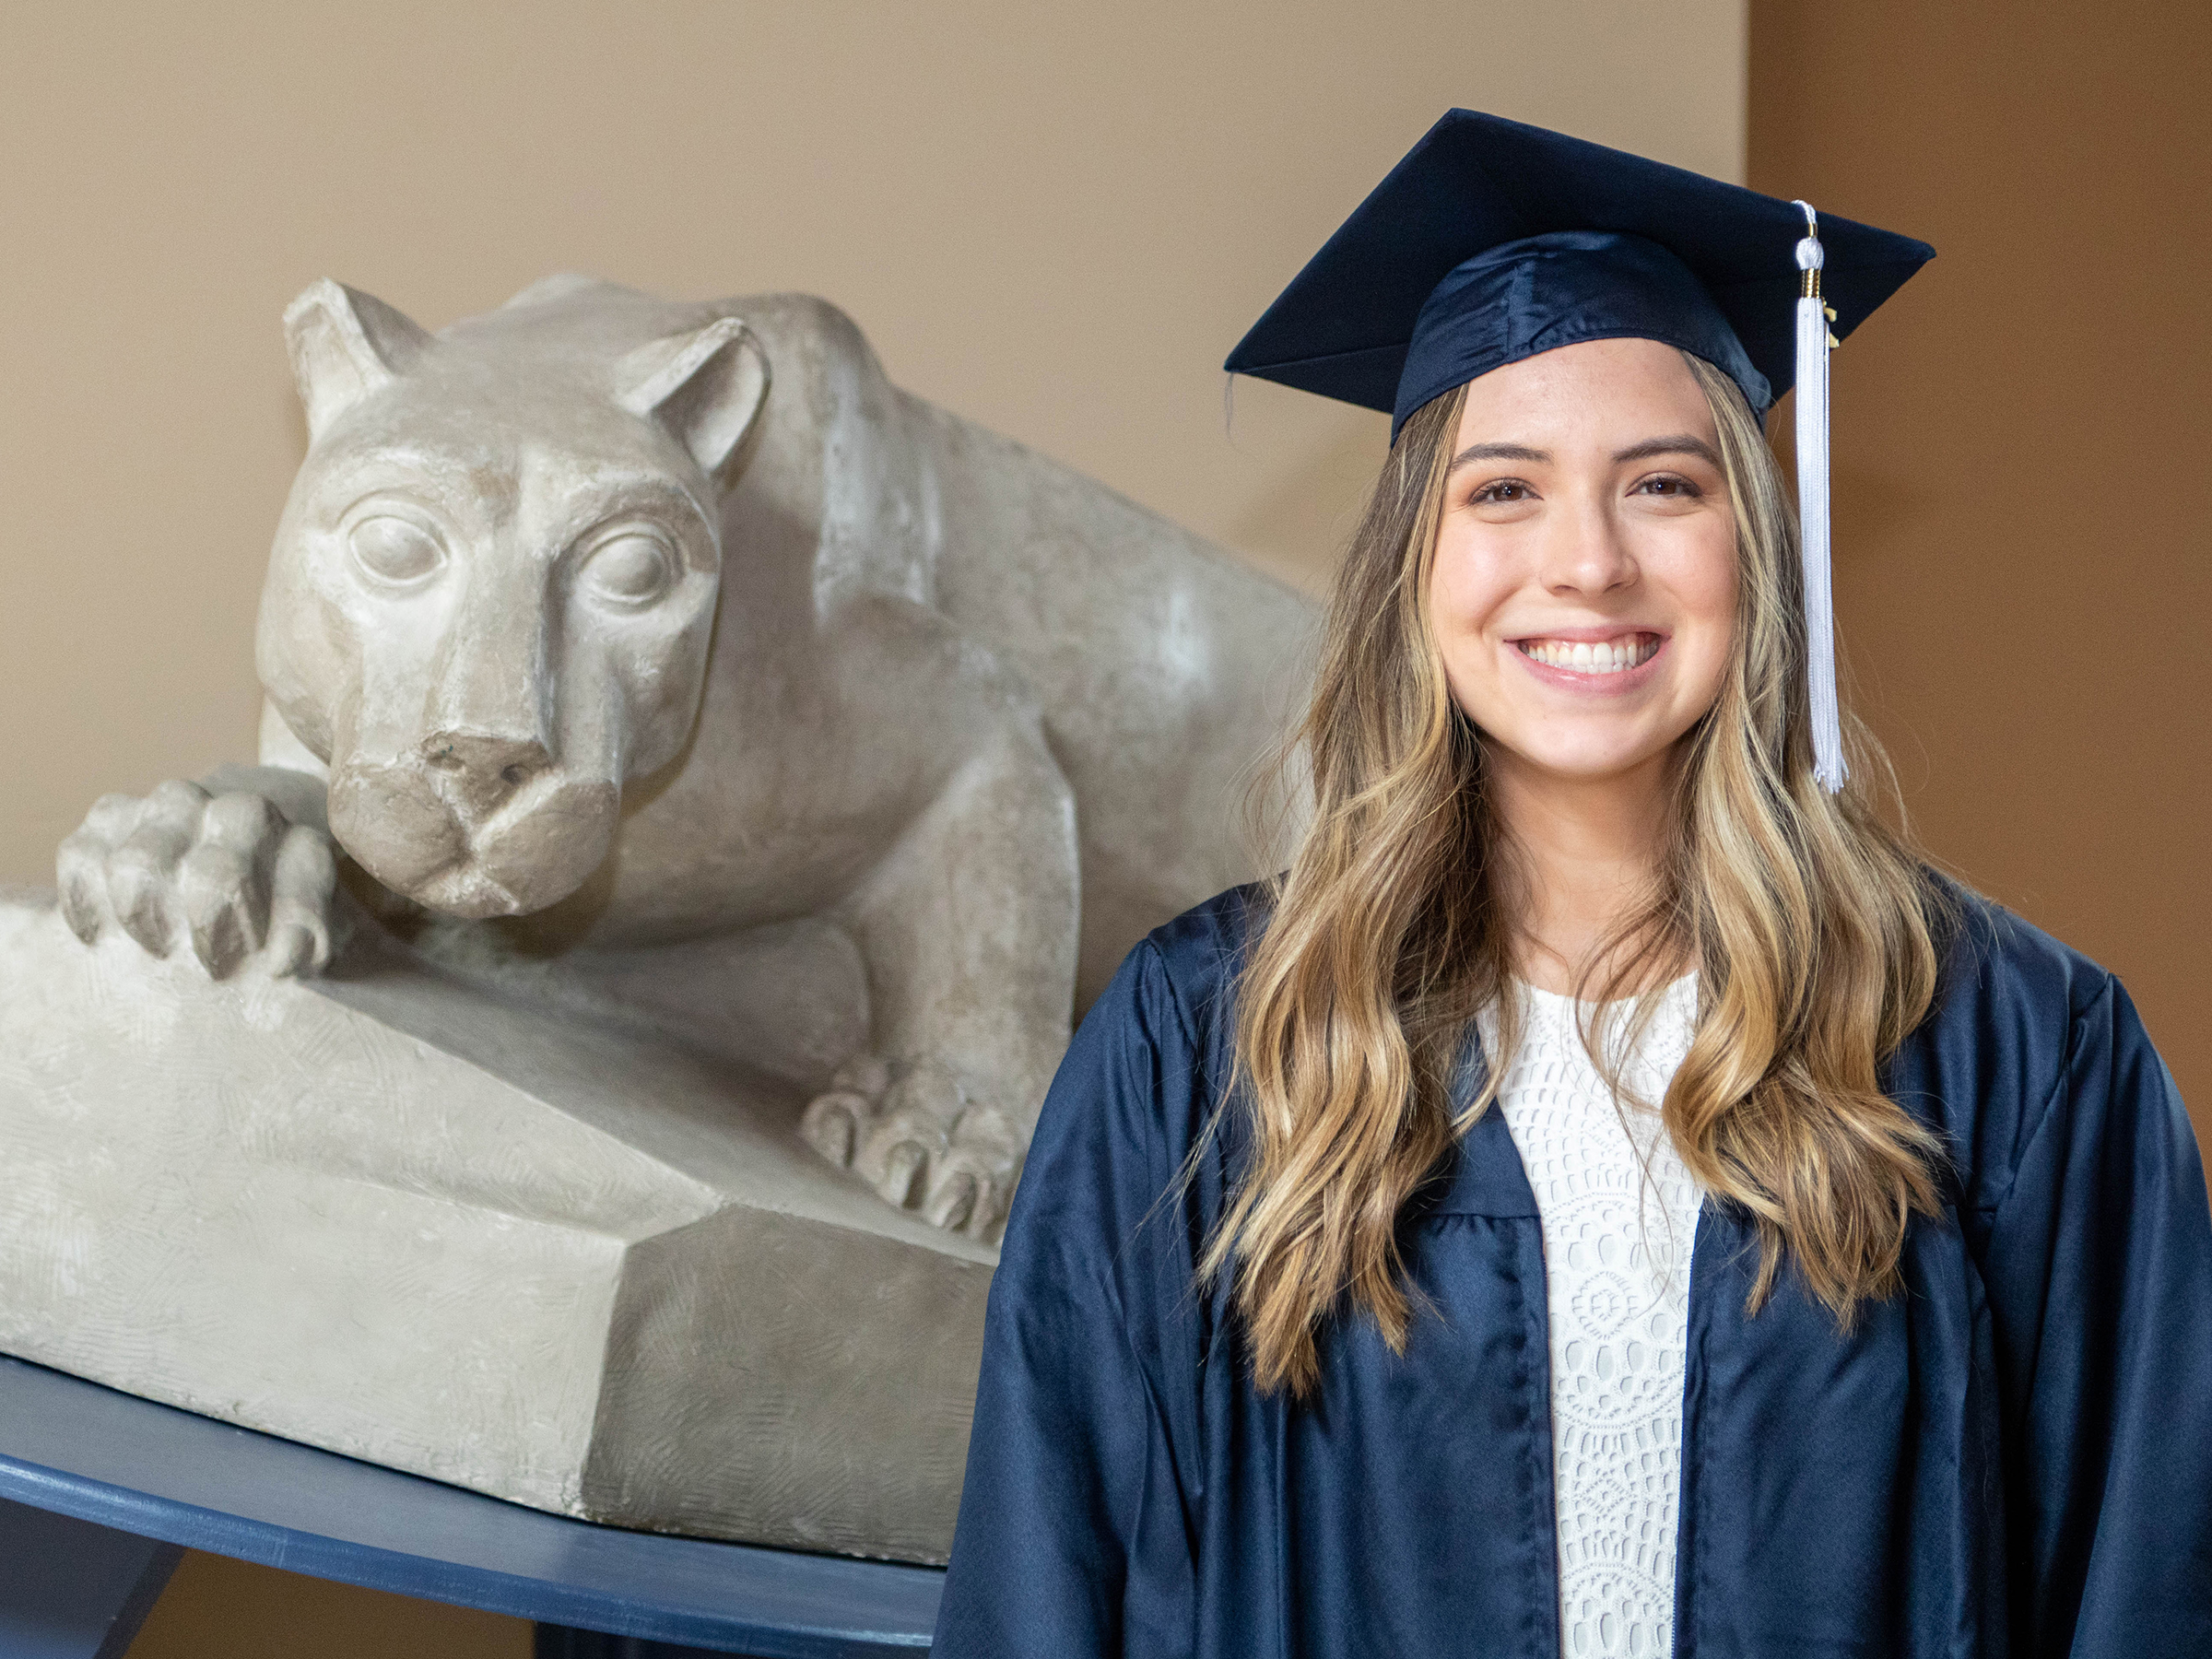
2012, 1458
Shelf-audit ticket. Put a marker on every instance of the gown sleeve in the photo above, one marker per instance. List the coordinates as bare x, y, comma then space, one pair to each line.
2099, 1270
1071, 1537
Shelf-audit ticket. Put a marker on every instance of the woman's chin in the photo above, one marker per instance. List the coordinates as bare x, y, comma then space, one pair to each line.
1582, 763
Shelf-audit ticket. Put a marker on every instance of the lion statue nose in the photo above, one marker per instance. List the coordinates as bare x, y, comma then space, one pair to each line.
483, 769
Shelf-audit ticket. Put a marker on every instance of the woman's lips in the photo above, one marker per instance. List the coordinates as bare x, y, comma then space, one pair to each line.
1603, 662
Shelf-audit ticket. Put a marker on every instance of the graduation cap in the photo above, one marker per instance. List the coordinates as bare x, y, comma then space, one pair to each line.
1493, 241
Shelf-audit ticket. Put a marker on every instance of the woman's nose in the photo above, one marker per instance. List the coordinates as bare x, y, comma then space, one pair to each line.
1585, 552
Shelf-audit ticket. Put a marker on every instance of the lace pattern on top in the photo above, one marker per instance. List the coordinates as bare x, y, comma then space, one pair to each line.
1619, 1215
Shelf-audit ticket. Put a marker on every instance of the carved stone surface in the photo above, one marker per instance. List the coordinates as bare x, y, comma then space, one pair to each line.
421, 1224
733, 774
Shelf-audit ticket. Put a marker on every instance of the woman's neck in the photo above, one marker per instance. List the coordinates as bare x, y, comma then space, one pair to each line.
1588, 851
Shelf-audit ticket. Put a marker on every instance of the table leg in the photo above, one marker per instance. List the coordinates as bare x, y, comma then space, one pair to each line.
71, 1590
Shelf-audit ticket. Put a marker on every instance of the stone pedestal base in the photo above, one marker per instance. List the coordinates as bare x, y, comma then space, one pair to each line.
397, 1216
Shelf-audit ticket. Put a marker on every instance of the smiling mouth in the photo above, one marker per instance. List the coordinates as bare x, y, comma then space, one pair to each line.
1617, 655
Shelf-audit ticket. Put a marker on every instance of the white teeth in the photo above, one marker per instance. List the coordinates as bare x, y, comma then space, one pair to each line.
1605, 656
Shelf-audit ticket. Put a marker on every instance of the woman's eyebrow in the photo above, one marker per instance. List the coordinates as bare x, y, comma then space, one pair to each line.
1497, 451
1681, 443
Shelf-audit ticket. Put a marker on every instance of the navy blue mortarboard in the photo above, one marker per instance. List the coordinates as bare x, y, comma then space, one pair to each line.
1492, 242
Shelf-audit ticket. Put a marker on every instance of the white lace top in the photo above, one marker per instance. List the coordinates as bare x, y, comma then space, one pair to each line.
1617, 1246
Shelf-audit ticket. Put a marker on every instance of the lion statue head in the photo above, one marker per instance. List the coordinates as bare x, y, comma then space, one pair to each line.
493, 587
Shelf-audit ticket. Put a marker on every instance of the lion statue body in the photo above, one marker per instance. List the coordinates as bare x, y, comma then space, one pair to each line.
666, 656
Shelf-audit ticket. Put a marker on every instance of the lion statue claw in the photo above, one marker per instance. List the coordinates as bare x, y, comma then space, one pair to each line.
918, 1141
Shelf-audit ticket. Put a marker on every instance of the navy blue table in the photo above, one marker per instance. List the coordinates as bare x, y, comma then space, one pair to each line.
100, 1492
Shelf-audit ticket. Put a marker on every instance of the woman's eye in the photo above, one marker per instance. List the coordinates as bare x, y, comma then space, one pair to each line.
632, 568
1503, 490
396, 550
1668, 485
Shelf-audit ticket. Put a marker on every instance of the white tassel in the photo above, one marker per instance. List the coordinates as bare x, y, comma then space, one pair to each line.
1813, 343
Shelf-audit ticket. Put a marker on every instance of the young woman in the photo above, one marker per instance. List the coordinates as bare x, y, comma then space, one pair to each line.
1609, 1195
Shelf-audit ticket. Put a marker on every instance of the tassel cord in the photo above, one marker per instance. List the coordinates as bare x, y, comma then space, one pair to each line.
1813, 343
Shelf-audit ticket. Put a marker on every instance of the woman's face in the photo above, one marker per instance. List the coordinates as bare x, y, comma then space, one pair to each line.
1583, 589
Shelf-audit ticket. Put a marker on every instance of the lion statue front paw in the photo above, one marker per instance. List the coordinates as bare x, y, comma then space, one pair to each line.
227, 874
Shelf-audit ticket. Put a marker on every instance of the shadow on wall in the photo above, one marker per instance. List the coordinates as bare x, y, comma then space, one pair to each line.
214, 1605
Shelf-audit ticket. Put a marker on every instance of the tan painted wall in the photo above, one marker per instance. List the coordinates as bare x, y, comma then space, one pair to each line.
2024, 500
1054, 219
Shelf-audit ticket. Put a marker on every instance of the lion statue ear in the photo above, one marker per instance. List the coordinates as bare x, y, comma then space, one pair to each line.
344, 344
706, 386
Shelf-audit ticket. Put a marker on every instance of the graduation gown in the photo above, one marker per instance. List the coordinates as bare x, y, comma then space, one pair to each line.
2012, 1458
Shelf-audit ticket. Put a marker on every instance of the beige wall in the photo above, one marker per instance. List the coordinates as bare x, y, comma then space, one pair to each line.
1054, 219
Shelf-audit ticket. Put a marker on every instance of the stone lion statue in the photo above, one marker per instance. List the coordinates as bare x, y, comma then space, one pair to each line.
666, 660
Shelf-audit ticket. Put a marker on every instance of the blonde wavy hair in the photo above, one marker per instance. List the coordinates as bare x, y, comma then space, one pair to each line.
1814, 926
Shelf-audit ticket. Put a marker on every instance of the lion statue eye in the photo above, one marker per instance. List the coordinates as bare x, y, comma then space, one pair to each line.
631, 569
396, 550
